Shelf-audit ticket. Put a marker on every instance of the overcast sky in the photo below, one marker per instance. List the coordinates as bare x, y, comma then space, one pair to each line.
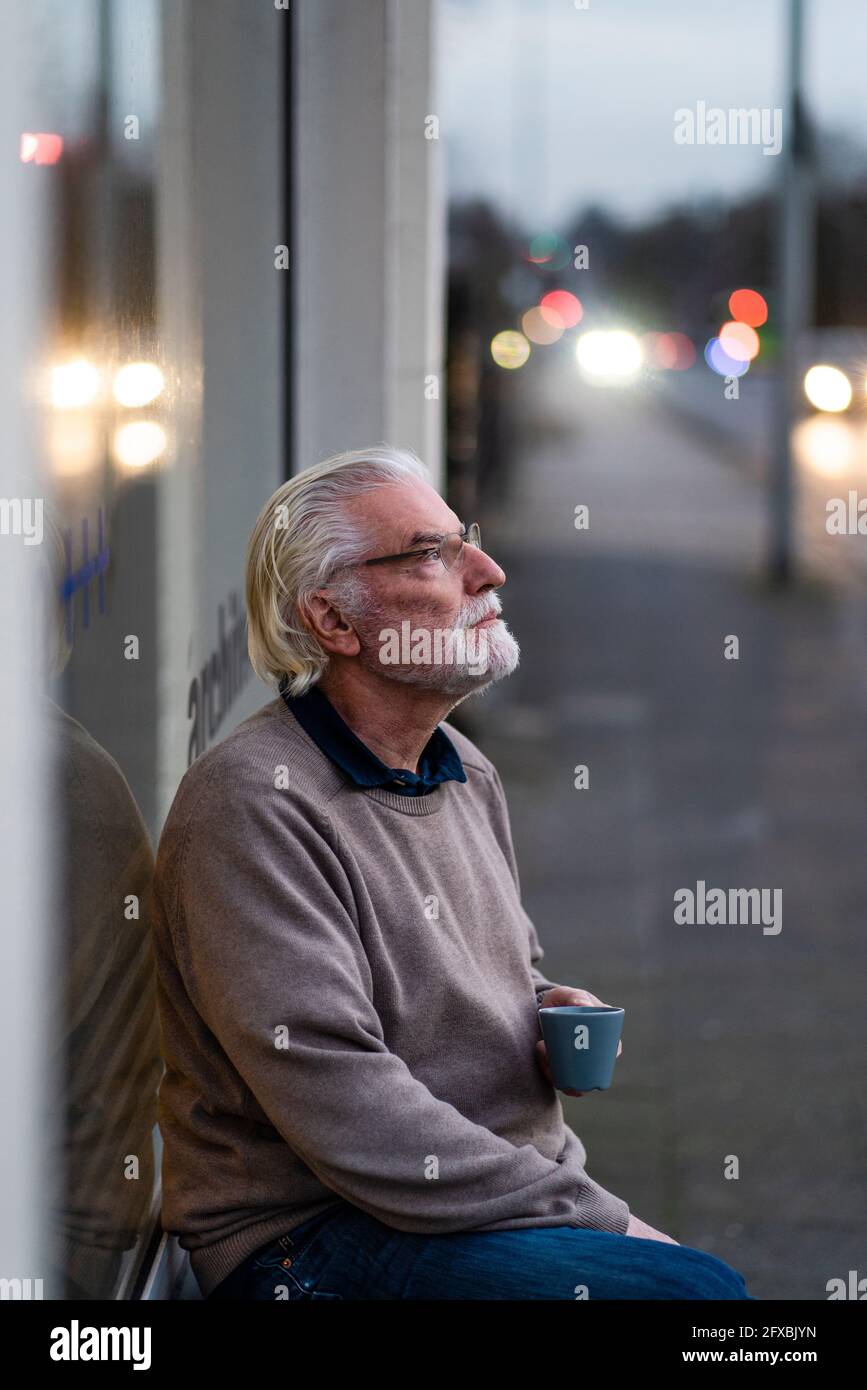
546, 107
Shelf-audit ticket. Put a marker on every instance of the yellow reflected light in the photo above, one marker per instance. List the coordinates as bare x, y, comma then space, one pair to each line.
138, 383
613, 356
139, 444
74, 444
510, 350
827, 388
74, 384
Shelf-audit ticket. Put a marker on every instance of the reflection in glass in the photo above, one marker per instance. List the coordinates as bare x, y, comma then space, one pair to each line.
91, 139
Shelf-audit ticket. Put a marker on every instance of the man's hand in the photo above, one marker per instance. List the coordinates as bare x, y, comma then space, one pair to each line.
557, 997
645, 1232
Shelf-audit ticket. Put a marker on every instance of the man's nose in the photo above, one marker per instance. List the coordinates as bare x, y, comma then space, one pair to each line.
481, 571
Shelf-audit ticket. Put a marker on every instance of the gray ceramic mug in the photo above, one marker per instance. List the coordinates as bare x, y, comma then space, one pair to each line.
581, 1042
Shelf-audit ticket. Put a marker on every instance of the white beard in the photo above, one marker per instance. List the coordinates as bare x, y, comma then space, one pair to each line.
457, 678
463, 678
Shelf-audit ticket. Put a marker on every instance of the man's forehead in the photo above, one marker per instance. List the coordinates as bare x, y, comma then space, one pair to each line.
409, 514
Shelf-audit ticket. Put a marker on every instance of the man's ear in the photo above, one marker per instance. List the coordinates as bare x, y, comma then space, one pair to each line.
334, 632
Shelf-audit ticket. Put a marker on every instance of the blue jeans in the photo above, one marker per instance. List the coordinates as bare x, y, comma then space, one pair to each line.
345, 1254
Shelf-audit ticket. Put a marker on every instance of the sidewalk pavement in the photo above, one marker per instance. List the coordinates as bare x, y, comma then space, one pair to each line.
747, 773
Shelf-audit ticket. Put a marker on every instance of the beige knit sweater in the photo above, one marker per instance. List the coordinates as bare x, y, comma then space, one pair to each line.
348, 997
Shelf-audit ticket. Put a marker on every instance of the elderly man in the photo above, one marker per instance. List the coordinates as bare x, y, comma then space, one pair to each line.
356, 1102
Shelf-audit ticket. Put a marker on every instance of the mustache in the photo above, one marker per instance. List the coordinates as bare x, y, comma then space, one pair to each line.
475, 609
472, 611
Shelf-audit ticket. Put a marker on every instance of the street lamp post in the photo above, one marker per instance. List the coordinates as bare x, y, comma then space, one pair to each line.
795, 271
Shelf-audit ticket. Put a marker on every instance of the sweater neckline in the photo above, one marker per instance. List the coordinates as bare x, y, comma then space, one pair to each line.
427, 805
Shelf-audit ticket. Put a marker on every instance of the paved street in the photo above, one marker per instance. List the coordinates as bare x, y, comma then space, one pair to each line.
747, 773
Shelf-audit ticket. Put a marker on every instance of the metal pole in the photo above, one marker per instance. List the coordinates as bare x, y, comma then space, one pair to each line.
795, 271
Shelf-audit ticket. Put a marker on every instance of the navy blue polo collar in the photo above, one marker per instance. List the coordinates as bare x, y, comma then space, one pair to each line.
439, 761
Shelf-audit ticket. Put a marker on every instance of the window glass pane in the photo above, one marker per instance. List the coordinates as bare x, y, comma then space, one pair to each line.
104, 438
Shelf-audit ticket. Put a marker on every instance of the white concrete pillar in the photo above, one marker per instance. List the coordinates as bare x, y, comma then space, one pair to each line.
369, 230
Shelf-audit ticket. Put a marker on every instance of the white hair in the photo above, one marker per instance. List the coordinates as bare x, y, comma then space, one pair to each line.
303, 534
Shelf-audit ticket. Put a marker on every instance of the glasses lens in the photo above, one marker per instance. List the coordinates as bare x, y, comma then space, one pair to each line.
450, 549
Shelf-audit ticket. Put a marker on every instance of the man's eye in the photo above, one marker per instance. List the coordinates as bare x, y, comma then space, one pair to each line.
430, 555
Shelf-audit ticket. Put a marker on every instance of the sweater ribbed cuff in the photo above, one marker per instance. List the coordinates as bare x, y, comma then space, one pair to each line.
600, 1209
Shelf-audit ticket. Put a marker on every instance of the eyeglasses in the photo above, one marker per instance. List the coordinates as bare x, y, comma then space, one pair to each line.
449, 548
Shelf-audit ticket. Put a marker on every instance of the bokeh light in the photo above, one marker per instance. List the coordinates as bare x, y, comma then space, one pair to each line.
720, 362
548, 251
74, 442
542, 326
139, 444
138, 383
670, 351
649, 343
510, 349
748, 306
567, 306
827, 388
825, 445
740, 341
609, 356
551, 316
74, 384
42, 147
684, 349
